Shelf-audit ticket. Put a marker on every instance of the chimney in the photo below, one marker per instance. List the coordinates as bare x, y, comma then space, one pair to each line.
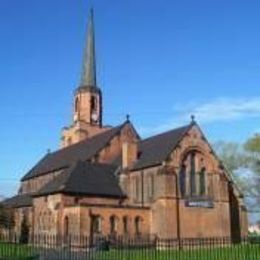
129, 153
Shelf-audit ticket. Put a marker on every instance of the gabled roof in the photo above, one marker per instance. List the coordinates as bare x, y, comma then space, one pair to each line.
65, 157
154, 150
85, 178
17, 201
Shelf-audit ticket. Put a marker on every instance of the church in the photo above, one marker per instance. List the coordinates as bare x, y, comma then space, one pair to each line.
108, 180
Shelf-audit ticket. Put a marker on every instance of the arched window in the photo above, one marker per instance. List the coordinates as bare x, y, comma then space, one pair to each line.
182, 177
96, 224
202, 181
93, 103
192, 174
66, 226
138, 221
125, 224
113, 224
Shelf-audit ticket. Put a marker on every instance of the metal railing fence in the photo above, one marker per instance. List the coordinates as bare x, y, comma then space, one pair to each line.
112, 247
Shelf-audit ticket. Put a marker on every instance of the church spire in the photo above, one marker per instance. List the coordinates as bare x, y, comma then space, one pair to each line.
88, 76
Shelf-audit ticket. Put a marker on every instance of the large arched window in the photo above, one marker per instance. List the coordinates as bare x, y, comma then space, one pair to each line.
192, 175
183, 180
202, 182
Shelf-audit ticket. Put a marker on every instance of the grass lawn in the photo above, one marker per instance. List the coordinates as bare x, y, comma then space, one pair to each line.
235, 252
240, 252
15, 252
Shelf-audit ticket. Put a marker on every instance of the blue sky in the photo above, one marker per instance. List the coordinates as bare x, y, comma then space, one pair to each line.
159, 61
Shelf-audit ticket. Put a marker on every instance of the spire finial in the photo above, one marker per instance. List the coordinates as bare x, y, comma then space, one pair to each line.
88, 76
127, 117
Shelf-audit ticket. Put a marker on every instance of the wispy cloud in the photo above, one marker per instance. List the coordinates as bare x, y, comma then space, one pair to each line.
221, 109
227, 109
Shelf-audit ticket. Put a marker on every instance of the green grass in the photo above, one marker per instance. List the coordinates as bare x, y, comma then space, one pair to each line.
234, 252
240, 252
15, 251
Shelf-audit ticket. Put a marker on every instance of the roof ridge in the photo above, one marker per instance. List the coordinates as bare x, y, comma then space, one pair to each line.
86, 140
166, 132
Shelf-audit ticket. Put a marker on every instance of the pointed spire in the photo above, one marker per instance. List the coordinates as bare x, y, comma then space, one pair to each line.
88, 76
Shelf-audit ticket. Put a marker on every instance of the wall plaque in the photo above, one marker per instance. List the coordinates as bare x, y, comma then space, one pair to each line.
199, 203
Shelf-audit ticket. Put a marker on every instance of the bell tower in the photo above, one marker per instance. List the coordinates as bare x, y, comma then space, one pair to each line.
87, 108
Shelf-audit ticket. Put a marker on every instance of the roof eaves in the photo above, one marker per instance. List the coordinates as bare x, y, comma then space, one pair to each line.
100, 195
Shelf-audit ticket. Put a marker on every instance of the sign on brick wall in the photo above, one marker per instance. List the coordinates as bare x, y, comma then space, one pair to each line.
199, 203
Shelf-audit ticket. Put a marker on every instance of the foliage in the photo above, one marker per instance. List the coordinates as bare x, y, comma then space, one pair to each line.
258, 223
236, 156
243, 161
232, 155
252, 145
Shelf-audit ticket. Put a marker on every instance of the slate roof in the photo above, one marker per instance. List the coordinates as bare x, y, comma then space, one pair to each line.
154, 150
85, 178
80, 177
20, 200
65, 157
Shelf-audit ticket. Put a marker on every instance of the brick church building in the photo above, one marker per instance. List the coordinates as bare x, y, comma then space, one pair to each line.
108, 180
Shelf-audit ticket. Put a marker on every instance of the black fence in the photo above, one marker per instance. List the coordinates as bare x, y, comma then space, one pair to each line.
54, 247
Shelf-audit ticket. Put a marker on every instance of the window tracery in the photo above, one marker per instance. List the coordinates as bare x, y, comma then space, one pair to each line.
193, 174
